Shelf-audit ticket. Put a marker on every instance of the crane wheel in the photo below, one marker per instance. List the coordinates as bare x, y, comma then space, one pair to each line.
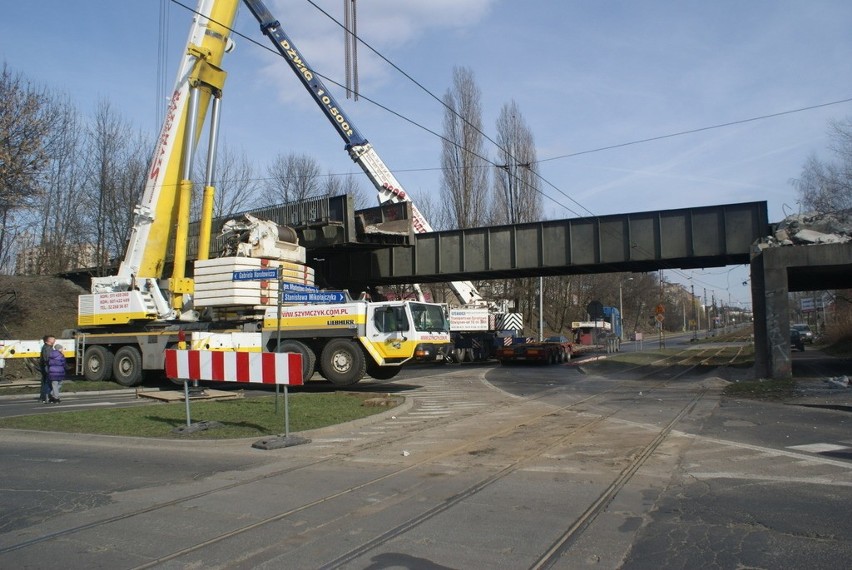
97, 364
309, 358
127, 366
342, 362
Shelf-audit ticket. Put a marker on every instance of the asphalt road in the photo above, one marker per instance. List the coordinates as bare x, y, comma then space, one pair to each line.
483, 467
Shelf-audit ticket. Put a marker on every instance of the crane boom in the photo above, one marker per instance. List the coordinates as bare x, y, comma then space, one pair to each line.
166, 197
360, 150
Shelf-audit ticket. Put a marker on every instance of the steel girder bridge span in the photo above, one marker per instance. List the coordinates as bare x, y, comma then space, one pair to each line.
688, 238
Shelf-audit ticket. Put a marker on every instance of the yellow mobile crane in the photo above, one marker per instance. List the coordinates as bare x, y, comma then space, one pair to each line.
230, 303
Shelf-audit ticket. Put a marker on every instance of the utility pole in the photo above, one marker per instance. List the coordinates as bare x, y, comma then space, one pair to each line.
621, 307
715, 312
541, 308
694, 314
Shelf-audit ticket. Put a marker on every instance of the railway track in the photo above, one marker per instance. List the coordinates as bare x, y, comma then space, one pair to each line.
491, 441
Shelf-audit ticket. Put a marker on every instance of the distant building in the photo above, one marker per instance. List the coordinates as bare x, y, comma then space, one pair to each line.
41, 260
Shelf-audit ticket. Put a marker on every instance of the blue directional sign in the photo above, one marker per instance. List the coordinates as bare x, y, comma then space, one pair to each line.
318, 297
298, 288
255, 274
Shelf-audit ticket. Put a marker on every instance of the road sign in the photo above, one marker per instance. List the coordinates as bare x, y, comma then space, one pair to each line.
660, 310
595, 310
255, 274
318, 297
298, 288
660, 317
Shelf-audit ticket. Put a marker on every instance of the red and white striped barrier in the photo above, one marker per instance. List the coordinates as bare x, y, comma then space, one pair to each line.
226, 366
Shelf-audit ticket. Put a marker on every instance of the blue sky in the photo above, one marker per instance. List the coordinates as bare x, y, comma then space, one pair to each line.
585, 74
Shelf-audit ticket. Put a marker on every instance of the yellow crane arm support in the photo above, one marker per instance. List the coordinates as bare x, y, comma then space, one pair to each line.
165, 201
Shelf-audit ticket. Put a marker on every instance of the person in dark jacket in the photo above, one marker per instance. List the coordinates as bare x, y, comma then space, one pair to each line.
46, 349
56, 372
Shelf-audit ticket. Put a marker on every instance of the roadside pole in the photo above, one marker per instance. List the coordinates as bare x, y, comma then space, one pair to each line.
186, 400
278, 337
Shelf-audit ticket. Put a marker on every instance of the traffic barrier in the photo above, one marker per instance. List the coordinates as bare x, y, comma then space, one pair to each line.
226, 366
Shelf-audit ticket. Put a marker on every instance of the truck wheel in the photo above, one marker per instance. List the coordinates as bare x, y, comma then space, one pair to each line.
342, 362
309, 359
382, 372
127, 366
97, 364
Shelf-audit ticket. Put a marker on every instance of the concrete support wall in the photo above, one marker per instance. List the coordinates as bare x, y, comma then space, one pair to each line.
808, 268
772, 354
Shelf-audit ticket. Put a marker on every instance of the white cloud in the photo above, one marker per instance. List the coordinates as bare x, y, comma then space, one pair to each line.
388, 26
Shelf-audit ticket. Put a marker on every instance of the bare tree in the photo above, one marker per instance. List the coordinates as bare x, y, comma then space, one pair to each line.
235, 183
827, 186
516, 193
116, 177
464, 182
60, 214
563, 303
292, 177
335, 185
27, 116
517, 188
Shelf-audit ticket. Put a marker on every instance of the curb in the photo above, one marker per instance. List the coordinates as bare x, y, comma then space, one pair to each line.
64, 393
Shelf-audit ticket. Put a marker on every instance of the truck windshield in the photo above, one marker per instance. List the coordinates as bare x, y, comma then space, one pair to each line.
430, 318
391, 319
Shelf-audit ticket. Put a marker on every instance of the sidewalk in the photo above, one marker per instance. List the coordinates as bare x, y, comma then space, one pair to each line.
34, 384
821, 393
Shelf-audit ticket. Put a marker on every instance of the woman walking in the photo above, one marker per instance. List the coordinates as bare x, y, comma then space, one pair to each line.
56, 372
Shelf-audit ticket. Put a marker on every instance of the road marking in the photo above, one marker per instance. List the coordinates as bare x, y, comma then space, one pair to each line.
773, 478
771, 451
88, 405
818, 447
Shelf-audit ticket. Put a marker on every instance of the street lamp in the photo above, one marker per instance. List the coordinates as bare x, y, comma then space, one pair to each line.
621, 307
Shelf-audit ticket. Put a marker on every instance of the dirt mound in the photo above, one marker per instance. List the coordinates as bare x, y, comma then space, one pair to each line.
32, 306
35, 305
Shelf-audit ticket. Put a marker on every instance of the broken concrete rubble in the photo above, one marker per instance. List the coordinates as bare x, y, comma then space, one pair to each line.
838, 382
810, 228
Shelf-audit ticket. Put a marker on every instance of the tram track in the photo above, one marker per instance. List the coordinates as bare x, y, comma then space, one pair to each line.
375, 443
546, 423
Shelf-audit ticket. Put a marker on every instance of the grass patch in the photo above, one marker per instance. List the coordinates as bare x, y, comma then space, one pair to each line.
244, 417
644, 357
725, 356
741, 335
761, 389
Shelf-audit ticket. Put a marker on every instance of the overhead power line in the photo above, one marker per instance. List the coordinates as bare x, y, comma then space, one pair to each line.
699, 129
